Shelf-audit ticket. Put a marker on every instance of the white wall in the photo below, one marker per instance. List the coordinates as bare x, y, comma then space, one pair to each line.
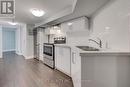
29, 42
0, 41
24, 42
115, 16
18, 47
21, 40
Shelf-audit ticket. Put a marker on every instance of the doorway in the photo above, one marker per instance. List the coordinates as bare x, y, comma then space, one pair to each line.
8, 39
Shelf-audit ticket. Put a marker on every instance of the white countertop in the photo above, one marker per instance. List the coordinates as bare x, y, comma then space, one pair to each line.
85, 53
101, 52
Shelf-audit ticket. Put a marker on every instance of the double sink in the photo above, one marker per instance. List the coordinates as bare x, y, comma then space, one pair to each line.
87, 48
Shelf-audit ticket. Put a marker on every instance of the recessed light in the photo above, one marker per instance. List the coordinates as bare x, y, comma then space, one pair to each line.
59, 31
70, 24
37, 12
107, 28
13, 23
55, 27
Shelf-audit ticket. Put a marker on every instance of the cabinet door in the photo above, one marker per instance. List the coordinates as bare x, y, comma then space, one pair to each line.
63, 59
80, 24
66, 60
58, 57
64, 27
47, 31
76, 69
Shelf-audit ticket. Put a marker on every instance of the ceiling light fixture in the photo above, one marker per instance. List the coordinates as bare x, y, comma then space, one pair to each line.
13, 23
55, 27
70, 24
37, 12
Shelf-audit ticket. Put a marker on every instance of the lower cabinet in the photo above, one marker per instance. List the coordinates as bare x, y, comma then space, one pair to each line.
68, 61
63, 59
76, 68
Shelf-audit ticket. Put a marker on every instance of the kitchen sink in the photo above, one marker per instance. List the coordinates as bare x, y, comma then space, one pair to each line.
87, 48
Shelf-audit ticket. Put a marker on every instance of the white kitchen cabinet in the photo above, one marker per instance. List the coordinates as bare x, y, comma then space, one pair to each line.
65, 27
77, 32
76, 68
49, 31
68, 61
63, 59
80, 24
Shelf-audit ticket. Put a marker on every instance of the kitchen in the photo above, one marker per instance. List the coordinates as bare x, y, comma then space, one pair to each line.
77, 43
94, 51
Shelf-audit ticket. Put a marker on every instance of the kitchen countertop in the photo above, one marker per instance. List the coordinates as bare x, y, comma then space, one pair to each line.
86, 53
101, 52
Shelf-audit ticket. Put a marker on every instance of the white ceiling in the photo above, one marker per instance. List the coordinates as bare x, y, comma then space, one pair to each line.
83, 8
51, 7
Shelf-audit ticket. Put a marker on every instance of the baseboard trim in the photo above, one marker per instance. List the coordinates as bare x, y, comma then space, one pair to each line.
29, 57
18, 53
9, 50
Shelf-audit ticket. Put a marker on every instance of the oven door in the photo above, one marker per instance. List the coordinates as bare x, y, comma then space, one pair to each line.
48, 51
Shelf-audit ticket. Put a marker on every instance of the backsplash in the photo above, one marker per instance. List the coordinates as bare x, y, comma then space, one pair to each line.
117, 24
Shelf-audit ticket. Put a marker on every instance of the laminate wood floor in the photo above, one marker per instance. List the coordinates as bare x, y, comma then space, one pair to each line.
15, 71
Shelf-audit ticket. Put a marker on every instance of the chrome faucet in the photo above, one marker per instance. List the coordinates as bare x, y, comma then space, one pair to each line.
99, 43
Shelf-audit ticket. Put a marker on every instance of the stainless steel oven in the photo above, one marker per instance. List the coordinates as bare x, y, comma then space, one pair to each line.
49, 54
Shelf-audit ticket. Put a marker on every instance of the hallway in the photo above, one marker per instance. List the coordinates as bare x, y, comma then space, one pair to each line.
15, 71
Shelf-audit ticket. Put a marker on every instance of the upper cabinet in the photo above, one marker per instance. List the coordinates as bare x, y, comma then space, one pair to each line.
76, 25
73, 27
80, 24
49, 31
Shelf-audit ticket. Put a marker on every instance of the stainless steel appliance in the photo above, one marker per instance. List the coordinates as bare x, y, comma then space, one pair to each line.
60, 40
49, 54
